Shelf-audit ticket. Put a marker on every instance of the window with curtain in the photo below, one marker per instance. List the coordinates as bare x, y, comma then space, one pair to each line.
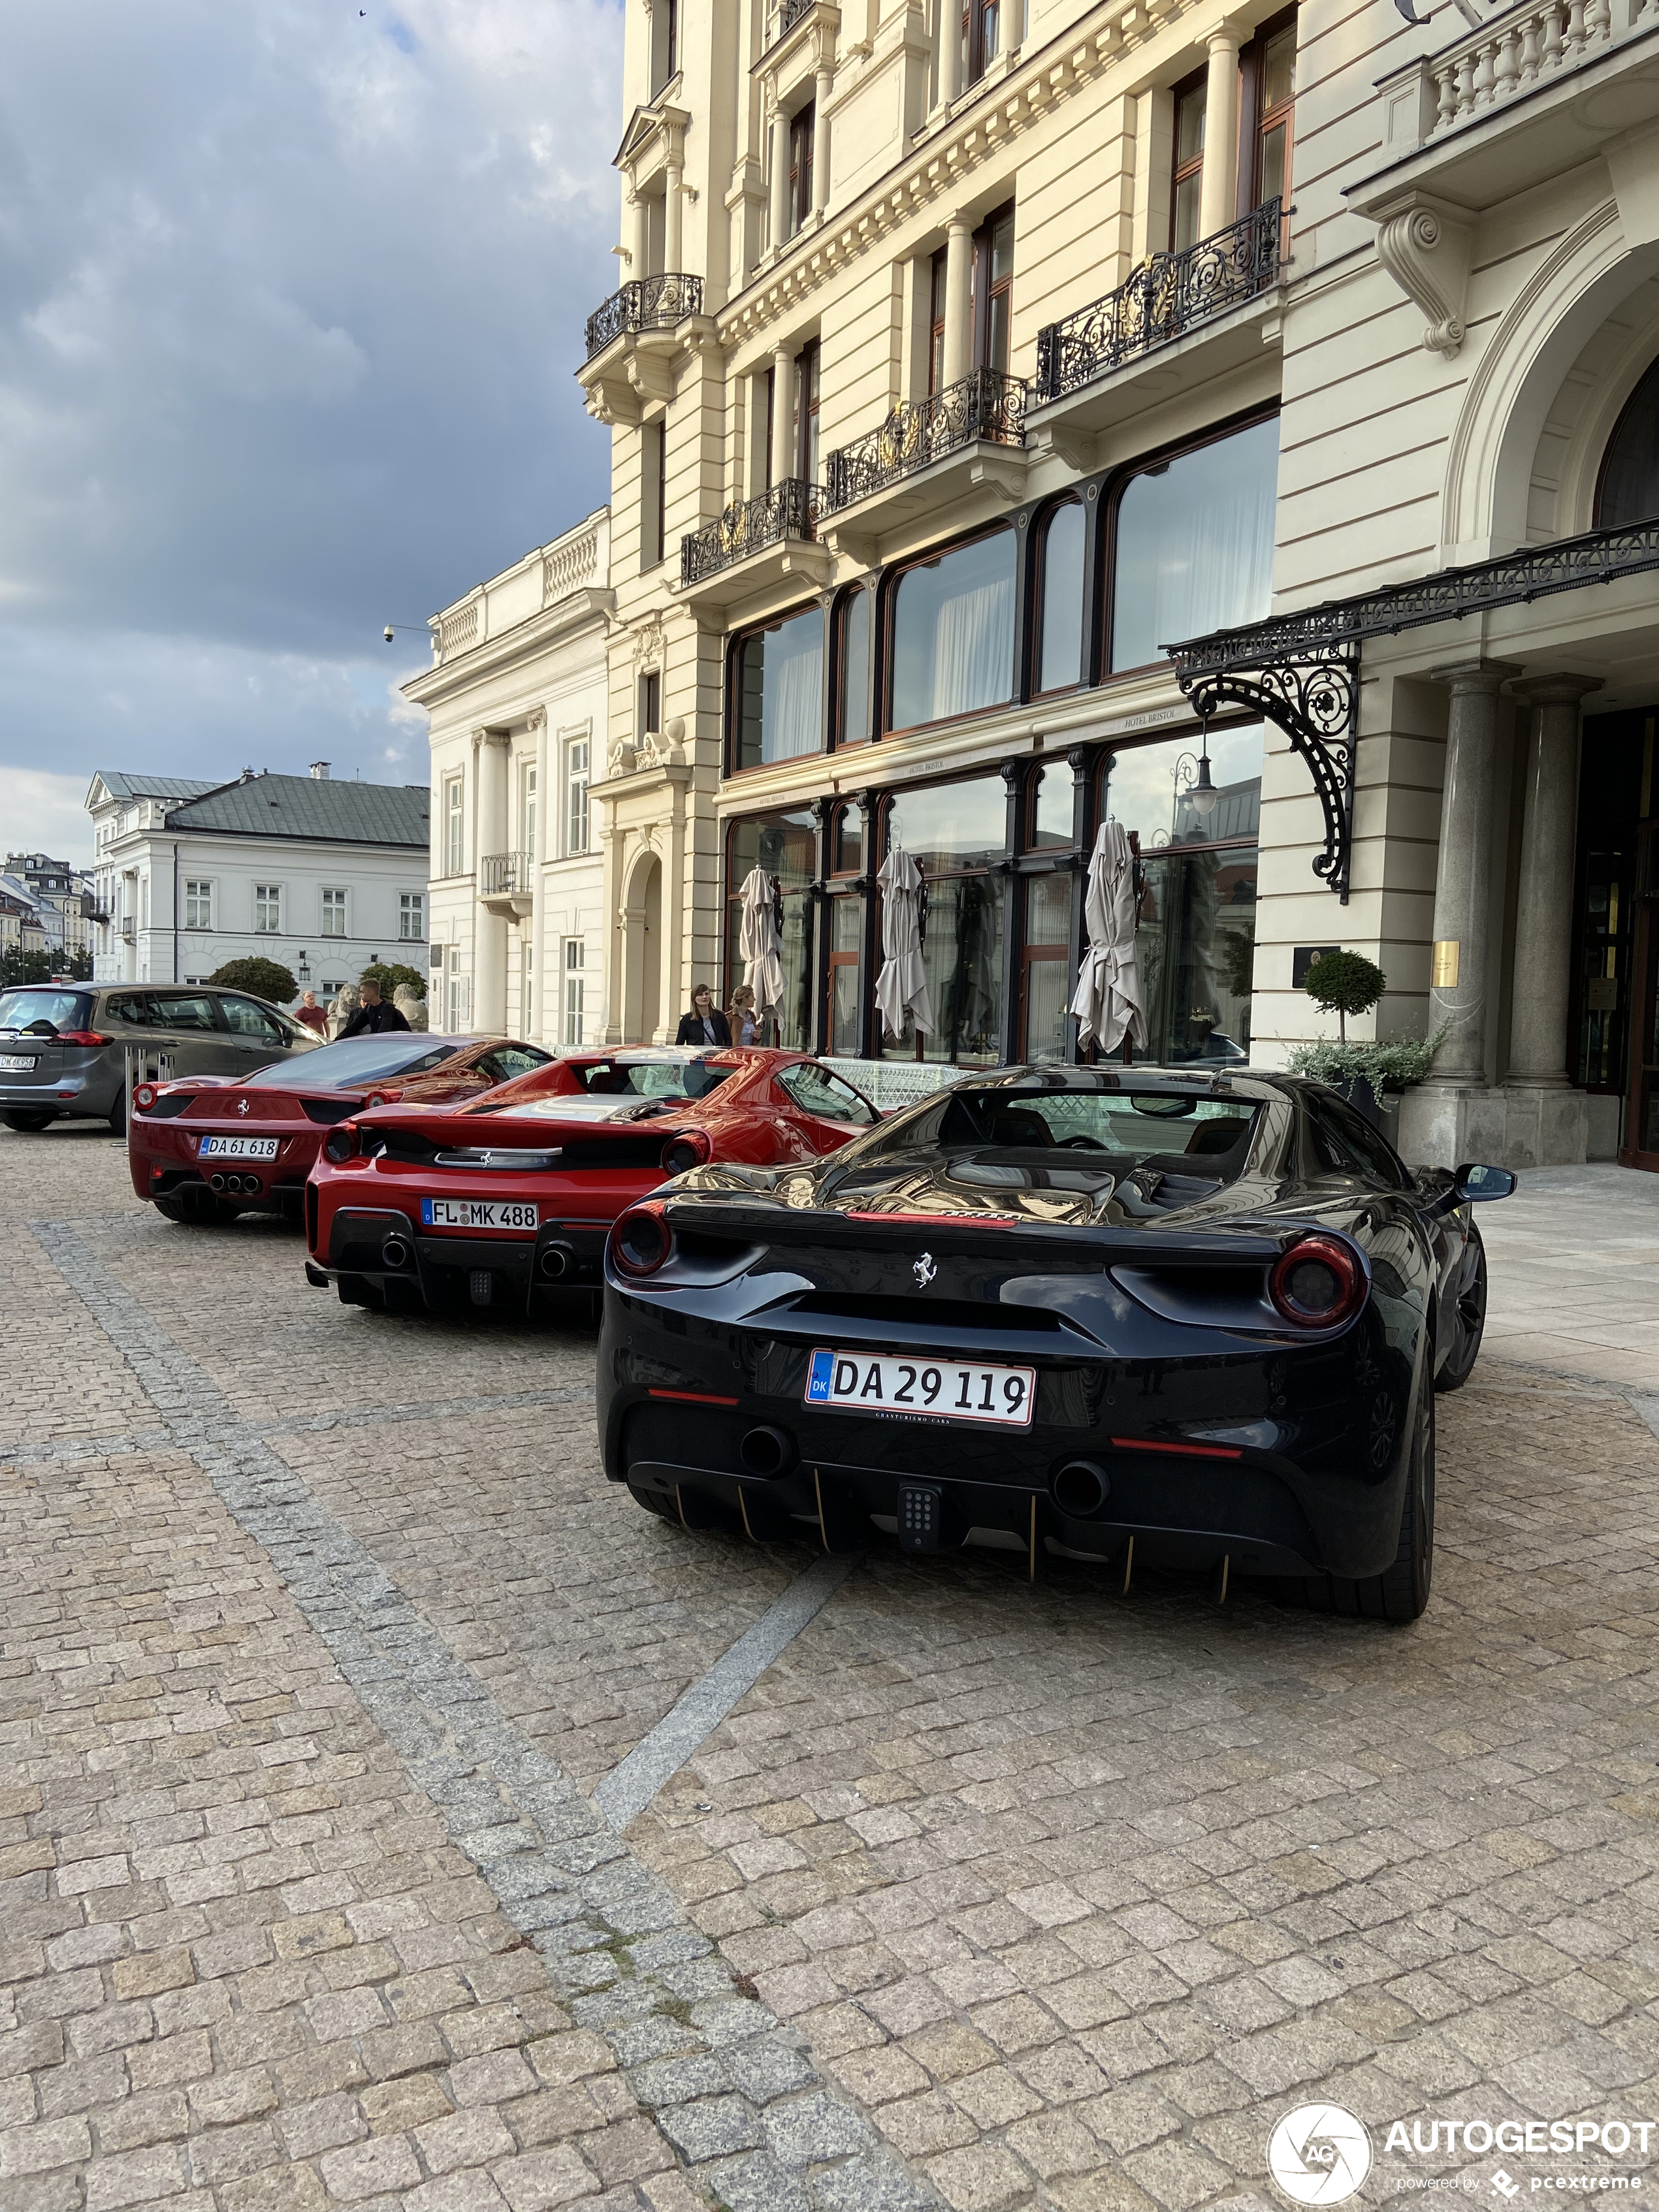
957, 834
1060, 598
953, 633
786, 846
853, 667
779, 691
1193, 544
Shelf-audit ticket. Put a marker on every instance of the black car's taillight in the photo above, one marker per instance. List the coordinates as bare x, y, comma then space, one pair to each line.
340, 1143
689, 1149
641, 1241
1318, 1282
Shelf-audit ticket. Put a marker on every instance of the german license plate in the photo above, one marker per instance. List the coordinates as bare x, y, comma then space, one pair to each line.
920, 1390
237, 1148
479, 1213
17, 1060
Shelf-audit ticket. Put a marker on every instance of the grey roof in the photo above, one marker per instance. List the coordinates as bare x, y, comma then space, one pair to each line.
121, 785
311, 807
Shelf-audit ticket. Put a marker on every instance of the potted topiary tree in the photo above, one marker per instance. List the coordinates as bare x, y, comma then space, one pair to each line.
1345, 984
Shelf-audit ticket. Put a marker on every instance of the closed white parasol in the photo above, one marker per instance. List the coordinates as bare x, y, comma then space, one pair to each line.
902, 986
757, 941
1108, 1001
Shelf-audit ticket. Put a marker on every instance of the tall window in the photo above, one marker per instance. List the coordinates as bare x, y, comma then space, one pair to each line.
575, 787
1193, 545
799, 205
267, 909
528, 796
778, 692
334, 914
454, 842
457, 995
653, 492
957, 832
1268, 64
936, 298
806, 412
411, 916
665, 45
1629, 490
786, 846
980, 34
853, 667
994, 289
198, 903
1187, 180
575, 962
953, 632
1059, 598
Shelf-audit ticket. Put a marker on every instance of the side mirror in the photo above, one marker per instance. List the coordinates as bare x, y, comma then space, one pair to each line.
1474, 1184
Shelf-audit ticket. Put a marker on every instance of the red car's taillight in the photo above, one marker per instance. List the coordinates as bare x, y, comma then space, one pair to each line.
1317, 1283
144, 1096
641, 1241
689, 1149
341, 1143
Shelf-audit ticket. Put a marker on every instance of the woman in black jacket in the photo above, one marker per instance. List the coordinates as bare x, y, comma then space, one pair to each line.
705, 1023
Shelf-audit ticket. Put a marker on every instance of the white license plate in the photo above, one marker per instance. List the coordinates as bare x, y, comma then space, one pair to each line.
17, 1060
925, 1389
237, 1148
480, 1213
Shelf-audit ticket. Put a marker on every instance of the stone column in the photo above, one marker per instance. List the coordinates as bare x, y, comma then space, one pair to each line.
640, 239
673, 219
822, 85
1463, 871
1218, 192
546, 799
779, 178
1543, 919
958, 299
489, 1006
783, 413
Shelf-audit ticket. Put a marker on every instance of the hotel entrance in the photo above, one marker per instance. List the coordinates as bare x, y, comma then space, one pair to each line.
1614, 1020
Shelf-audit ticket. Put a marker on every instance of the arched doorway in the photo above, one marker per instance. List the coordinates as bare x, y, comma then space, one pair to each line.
642, 950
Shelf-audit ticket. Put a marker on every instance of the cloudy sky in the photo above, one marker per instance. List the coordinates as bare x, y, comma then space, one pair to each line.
293, 292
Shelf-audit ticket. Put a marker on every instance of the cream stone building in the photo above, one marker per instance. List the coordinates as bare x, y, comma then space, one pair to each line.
517, 694
971, 358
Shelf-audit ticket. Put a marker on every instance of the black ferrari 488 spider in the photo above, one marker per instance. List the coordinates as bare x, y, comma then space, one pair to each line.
1142, 1316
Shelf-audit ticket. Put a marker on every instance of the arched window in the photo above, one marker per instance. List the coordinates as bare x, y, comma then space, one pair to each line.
1194, 543
1629, 490
1060, 598
852, 724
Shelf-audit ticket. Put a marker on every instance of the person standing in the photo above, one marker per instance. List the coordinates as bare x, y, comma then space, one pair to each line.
705, 1023
373, 1018
314, 1017
740, 1015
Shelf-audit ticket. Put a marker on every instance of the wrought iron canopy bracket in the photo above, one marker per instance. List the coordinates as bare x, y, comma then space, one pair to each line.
1313, 697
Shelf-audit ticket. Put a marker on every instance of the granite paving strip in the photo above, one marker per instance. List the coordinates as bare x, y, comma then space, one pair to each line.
733, 2092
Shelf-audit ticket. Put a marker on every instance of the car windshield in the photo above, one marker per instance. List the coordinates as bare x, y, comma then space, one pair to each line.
353, 1061
627, 1078
1167, 1132
64, 1010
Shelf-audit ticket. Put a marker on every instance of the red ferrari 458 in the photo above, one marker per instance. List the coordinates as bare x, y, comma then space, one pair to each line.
206, 1147
510, 1196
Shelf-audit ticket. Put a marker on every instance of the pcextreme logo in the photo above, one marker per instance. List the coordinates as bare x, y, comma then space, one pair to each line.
1319, 2154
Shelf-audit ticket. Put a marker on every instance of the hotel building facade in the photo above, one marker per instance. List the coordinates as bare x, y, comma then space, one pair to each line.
1241, 420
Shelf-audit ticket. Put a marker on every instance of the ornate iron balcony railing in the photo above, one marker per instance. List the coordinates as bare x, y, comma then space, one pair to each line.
501, 874
986, 407
1169, 294
649, 303
789, 509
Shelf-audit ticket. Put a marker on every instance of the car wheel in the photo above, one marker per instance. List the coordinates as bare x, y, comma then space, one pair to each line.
118, 1115
1400, 1592
1469, 1326
16, 1117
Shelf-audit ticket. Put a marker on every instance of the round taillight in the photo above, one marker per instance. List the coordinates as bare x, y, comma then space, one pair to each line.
1317, 1283
689, 1149
342, 1142
144, 1096
641, 1239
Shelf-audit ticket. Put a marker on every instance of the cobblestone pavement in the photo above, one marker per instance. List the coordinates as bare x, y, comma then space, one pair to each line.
318, 1631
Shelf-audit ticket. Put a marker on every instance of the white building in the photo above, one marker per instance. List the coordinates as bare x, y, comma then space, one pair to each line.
517, 697
323, 877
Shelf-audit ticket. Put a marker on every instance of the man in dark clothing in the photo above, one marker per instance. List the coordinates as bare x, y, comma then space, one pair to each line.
373, 1018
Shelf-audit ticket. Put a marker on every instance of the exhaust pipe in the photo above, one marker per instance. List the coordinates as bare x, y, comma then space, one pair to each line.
250, 1186
217, 1182
556, 1261
395, 1252
1080, 1488
767, 1451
